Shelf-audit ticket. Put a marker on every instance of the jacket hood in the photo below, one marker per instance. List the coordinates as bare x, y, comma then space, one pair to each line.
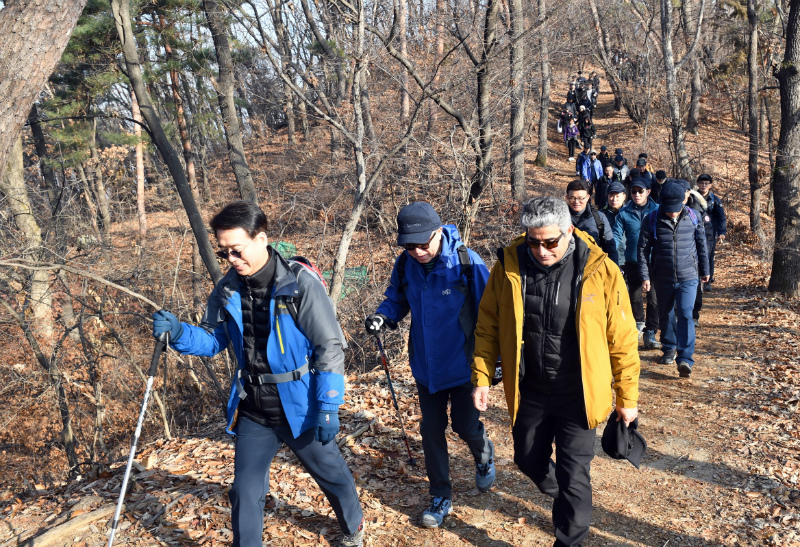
699, 198
451, 239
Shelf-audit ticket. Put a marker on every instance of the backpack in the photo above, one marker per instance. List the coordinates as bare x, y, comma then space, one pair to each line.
601, 228
298, 264
651, 220
463, 258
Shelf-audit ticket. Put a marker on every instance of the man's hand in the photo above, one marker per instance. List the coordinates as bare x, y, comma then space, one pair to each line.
627, 414
376, 321
721, 238
480, 397
327, 426
646, 285
705, 278
164, 321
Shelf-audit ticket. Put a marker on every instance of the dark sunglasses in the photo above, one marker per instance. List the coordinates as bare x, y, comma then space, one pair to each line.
421, 246
548, 244
235, 254
637, 191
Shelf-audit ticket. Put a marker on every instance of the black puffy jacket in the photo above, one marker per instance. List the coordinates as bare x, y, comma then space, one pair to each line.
678, 249
586, 221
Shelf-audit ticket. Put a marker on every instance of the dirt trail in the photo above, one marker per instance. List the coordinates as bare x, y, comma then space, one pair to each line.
706, 478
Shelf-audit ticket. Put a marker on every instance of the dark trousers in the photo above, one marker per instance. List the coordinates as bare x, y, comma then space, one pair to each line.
466, 423
256, 446
571, 147
711, 248
698, 300
540, 420
677, 331
634, 279
587, 141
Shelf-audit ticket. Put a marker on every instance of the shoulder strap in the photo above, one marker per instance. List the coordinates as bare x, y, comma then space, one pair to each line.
693, 216
466, 263
601, 228
652, 222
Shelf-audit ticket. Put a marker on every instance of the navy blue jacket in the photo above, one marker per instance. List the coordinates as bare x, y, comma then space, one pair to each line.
585, 221
715, 220
677, 252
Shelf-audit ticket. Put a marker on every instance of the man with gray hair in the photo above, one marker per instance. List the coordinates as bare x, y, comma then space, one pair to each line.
556, 312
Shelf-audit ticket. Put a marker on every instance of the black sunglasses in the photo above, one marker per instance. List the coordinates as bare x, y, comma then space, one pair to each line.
235, 254
637, 191
421, 246
548, 244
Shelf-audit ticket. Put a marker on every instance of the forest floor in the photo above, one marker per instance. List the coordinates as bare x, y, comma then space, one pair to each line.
722, 465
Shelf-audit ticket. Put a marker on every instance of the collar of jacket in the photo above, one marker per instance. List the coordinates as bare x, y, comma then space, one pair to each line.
285, 280
648, 207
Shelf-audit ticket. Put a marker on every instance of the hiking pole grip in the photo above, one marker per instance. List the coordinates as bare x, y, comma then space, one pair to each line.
161, 343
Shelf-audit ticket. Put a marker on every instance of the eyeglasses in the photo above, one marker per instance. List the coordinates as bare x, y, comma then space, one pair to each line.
422, 246
576, 198
235, 254
547, 243
637, 191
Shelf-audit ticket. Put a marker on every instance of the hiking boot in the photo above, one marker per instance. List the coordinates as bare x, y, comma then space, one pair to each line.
684, 369
668, 358
434, 515
353, 540
696, 323
707, 287
649, 340
640, 328
484, 476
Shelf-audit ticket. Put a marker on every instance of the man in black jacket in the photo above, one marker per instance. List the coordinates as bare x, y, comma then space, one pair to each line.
672, 245
586, 218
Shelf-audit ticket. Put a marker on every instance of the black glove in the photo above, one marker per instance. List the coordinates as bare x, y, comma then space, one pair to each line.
375, 322
164, 321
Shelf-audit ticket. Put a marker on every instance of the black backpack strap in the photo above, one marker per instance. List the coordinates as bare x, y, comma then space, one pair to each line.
466, 263
292, 304
601, 228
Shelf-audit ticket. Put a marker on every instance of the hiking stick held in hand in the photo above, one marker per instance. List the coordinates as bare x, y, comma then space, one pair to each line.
394, 399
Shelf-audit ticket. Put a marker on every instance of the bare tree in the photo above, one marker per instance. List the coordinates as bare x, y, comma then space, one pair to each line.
786, 255
752, 118
517, 85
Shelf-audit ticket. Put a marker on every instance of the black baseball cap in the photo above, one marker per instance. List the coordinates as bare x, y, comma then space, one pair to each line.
641, 183
616, 188
671, 197
661, 174
416, 222
641, 162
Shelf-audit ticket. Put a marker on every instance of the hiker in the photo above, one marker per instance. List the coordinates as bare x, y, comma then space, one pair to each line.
591, 98
602, 185
626, 233
591, 171
586, 218
716, 222
615, 200
655, 189
672, 245
585, 126
440, 281
621, 152
641, 171
571, 107
560, 352
572, 94
604, 157
289, 380
571, 138
621, 170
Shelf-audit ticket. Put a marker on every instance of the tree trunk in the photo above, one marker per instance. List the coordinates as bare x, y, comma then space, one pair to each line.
517, 85
752, 120
224, 88
122, 17
693, 119
786, 255
403, 35
544, 102
100, 188
441, 13
88, 197
50, 184
683, 167
16, 195
140, 200
33, 34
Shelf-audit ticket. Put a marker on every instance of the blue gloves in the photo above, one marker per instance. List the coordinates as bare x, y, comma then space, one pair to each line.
327, 425
164, 321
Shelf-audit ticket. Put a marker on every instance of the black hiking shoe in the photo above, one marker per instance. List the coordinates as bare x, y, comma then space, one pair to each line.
669, 357
684, 369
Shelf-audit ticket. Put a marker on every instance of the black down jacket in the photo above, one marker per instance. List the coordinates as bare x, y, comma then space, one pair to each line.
678, 249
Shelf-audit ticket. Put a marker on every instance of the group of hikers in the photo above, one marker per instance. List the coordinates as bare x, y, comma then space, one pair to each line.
576, 123
553, 320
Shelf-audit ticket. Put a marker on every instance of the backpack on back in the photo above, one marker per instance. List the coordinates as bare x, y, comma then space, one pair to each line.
299, 264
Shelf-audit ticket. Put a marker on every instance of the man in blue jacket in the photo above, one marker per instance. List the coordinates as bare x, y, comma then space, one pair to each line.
591, 173
672, 245
626, 235
440, 282
289, 380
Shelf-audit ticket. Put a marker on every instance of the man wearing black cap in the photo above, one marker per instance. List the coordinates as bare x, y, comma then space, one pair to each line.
440, 282
626, 234
614, 202
655, 189
602, 185
715, 221
604, 157
621, 170
641, 172
672, 246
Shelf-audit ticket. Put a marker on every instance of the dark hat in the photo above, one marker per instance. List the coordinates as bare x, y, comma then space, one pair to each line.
619, 158
416, 222
671, 197
641, 182
622, 441
643, 155
661, 174
616, 188
618, 151
641, 162
685, 184
704, 177
604, 148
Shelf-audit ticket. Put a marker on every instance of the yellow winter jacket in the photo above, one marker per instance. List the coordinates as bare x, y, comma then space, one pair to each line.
606, 332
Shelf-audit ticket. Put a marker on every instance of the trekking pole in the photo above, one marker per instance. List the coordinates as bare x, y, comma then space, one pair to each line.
394, 399
161, 343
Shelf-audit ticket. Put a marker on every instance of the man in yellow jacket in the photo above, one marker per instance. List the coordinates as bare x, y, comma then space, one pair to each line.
556, 311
